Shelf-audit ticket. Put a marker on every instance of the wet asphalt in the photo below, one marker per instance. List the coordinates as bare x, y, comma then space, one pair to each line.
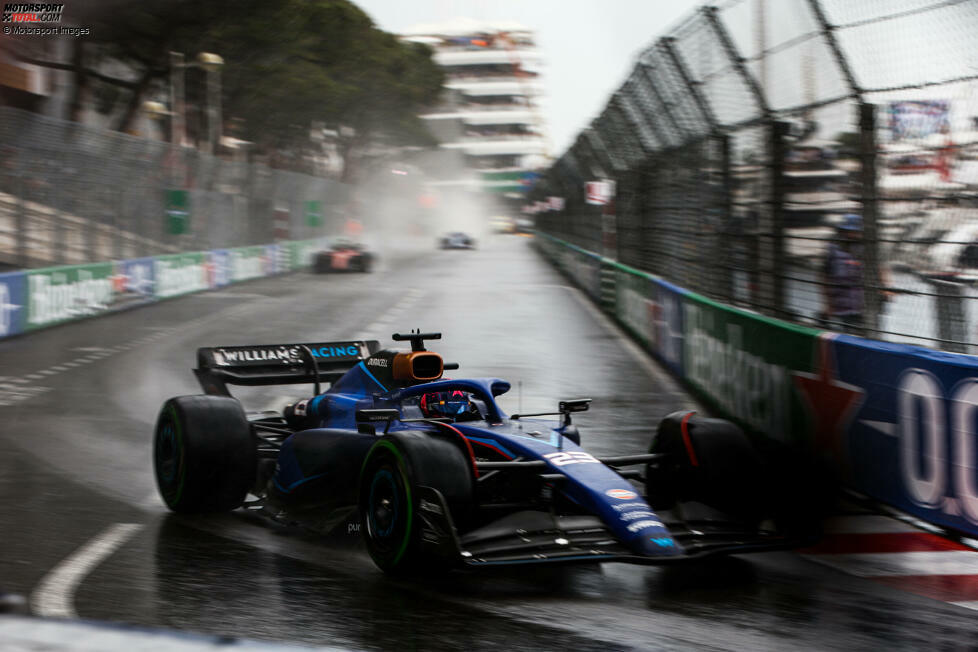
76, 459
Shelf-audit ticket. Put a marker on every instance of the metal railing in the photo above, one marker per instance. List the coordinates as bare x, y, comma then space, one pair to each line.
737, 153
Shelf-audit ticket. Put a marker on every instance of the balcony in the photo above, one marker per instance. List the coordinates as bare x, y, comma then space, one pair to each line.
511, 145
479, 87
460, 56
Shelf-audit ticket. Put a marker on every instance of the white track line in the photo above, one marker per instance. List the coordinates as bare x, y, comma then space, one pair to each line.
54, 595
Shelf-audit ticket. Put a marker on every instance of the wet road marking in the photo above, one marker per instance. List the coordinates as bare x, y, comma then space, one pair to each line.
54, 595
387, 321
9, 397
896, 554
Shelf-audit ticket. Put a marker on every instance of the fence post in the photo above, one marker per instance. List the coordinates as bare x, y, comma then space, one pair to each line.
21, 224
871, 263
772, 221
726, 231
952, 324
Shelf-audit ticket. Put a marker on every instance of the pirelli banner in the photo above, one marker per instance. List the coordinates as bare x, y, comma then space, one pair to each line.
39, 298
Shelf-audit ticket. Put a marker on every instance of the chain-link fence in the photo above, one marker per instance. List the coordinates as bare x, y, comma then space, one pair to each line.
815, 160
74, 194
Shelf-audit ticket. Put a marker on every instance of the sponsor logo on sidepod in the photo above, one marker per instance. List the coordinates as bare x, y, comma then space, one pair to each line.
621, 494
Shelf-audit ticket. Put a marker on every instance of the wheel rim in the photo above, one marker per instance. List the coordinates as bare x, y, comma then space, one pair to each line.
383, 509
169, 459
166, 453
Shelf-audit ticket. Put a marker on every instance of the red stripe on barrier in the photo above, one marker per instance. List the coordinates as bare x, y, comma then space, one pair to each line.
687, 441
948, 588
840, 544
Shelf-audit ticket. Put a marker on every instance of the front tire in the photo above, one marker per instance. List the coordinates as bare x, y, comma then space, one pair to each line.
204, 455
393, 473
710, 461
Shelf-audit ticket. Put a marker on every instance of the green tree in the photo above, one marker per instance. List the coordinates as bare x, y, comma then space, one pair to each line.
287, 63
328, 63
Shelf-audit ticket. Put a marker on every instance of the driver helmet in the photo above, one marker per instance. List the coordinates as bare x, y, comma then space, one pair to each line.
445, 404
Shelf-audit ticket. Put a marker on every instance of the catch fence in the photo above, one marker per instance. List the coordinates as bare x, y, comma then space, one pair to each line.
743, 139
74, 194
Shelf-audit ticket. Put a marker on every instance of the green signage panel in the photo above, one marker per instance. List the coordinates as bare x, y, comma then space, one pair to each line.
747, 365
314, 213
177, 212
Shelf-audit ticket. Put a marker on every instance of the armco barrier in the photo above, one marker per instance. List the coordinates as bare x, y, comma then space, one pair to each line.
38, 298
899, 422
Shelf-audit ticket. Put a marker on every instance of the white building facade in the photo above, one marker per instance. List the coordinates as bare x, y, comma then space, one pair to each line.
488, 124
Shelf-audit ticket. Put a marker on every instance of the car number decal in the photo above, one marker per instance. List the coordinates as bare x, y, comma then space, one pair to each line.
572, 457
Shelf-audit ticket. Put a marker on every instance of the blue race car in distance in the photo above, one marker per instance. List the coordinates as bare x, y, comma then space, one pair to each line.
456, 240
441, 477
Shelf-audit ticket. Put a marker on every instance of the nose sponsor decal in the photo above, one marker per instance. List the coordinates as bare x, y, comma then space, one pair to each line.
621, 494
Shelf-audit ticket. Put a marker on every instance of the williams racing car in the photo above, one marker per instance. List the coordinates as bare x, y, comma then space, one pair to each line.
343, 256
440, 476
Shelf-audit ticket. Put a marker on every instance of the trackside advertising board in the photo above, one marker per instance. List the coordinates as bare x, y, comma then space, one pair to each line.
909, 434
301, 252
61, 294
183, 273
746, 365
43, 297
13, 303
652, 311
899, 422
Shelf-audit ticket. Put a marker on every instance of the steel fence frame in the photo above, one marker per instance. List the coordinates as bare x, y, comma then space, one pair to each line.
75, 194
709, 163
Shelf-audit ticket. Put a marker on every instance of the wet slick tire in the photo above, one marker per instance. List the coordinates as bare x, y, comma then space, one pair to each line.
204, 455
395, 469
710, 461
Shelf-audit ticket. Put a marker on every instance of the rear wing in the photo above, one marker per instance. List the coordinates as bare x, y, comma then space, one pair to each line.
277, 364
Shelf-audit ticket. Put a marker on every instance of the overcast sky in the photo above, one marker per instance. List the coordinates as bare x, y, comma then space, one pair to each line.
588, 46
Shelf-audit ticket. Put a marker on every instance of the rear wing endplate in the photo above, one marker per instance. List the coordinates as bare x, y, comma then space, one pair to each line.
277, 364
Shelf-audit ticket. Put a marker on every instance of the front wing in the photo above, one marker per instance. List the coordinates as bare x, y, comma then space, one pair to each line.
532, 537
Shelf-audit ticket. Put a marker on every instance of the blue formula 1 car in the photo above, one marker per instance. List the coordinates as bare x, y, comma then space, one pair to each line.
440, 476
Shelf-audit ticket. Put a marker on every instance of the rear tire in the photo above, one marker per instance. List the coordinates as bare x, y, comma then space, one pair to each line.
205, 457
395, 468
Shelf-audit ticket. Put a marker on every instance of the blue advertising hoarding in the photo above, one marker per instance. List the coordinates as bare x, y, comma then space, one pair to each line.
911, 436
13, 303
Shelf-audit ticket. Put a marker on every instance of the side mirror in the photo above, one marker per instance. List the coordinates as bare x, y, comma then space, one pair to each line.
576, 405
